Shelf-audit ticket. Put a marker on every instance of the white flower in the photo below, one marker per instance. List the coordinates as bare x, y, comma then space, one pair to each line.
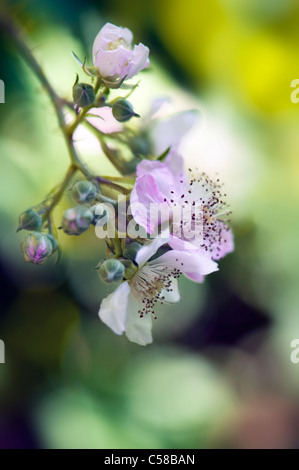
114, 55
131, 307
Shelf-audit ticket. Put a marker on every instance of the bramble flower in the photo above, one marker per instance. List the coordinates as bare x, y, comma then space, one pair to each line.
130, 308
192, 206
37, 247
197, 208
115, 57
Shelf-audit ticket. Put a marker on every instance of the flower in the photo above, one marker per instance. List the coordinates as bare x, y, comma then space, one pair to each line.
196, 207
130, 308
114, 56
37, 247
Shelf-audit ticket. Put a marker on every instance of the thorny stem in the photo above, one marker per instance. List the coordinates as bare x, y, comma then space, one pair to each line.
15, 34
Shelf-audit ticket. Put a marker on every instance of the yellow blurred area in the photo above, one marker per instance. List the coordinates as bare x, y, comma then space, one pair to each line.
254, 62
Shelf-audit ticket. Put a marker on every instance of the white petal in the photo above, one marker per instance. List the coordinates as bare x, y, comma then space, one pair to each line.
138, 330
186, 262
173, 296
195, 277
138, 61
110, 33
148, 250
113, 310
156, 106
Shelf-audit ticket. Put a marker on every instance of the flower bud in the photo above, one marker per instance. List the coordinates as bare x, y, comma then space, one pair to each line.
100, 214
83, 191
83, 94
30, 220
37, 247
131, 250
76, 220
111, 270
122, 110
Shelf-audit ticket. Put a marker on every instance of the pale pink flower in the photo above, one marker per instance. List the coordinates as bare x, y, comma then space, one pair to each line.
130, 308
195, 198
115, 57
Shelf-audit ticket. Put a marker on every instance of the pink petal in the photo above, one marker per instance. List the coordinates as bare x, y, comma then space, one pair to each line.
150, 249
138, 61
186, 262
145, 193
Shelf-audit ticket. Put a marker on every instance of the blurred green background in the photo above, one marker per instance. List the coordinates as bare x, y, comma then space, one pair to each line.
219, 372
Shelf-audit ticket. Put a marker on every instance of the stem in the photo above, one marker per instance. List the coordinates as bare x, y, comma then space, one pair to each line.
14, 32
73, 126
70, 173
112, 185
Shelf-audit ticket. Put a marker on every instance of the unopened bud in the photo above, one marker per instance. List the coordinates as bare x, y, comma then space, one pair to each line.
131, 250
84, 191
111, 270
123, 111
141, 145
76, 220
100, 215
30, 220
37, 247
83, 94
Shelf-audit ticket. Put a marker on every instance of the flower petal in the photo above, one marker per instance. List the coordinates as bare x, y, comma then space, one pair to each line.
114, 62
172, 294
144, 194
138, 330
138, 61
170, 131
156, 106
113, 310
169, 175
148, 250
195, 277
226, 244
110, 33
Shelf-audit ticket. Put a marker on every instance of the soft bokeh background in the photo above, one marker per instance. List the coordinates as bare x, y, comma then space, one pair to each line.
219, 373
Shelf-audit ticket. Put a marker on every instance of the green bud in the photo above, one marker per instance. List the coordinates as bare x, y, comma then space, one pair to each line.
131, 250
37, 247
54, 242
100, 214
140, 144
83, 94
111, 270
76, 220
122, 110
30, 220
84, 191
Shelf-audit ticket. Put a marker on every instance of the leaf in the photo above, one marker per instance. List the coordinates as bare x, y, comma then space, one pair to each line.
77, 59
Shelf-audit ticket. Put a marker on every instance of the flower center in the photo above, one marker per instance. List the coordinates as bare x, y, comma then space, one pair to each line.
149, 285
200, 213
115, 44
